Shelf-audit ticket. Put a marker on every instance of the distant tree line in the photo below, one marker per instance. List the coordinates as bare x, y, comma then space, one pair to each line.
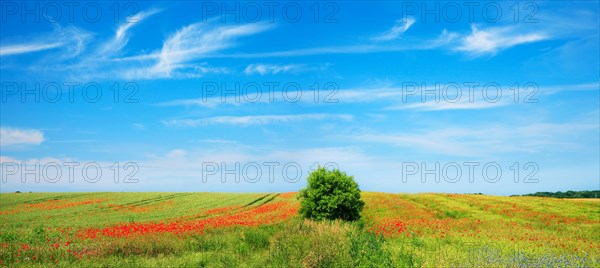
567, 194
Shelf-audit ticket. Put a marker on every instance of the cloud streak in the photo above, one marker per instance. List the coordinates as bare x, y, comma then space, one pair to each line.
397, 97
18, 136
494, 39
254, 119
27, 48
120, 39
396, 31
70, 40
181, 51
488, 140
463, 104
264, 69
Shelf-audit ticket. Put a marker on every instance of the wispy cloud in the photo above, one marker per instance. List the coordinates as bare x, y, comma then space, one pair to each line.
338, 50
396, 31
70, 40
17, 136
394, 97
264, 69
177, 153
190, 160
464, 104
478, 42
92, 64
356, 95
27, 48
120, 39
182, 55
594, 86
182, 50
254, 119
488, 140
195, 40
492, 40
443, 40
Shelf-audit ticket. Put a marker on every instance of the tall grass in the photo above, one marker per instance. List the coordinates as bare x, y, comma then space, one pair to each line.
437, 230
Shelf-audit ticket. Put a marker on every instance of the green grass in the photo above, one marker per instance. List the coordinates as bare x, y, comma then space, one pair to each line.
249, 230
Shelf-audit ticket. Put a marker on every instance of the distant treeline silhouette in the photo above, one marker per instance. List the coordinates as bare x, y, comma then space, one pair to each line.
567, 194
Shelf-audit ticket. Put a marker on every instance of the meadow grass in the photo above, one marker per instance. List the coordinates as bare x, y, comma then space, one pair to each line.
263, 230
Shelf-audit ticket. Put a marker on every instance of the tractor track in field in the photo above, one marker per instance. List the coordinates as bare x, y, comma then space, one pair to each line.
137, 203
97, 209
156, 199
268, 200
265, 199
256, 200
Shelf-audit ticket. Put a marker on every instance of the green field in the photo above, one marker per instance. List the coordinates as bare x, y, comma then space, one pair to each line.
263, 230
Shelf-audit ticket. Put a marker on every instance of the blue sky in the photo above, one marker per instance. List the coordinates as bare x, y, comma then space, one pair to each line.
174, 93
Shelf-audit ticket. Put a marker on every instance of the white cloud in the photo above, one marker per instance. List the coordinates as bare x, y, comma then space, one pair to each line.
396, 31
27, 48
395, 97
356, 95
494, 39
177, 153
17, 136
120, 38
192, 43
463, 104
182, 54
182, 51
190, 164
443, 40
263, 69
487, 140
7, 159
254, 119
70, 40
594, 86
476, 43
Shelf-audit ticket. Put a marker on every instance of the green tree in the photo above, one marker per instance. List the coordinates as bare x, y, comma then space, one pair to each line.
330, 195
